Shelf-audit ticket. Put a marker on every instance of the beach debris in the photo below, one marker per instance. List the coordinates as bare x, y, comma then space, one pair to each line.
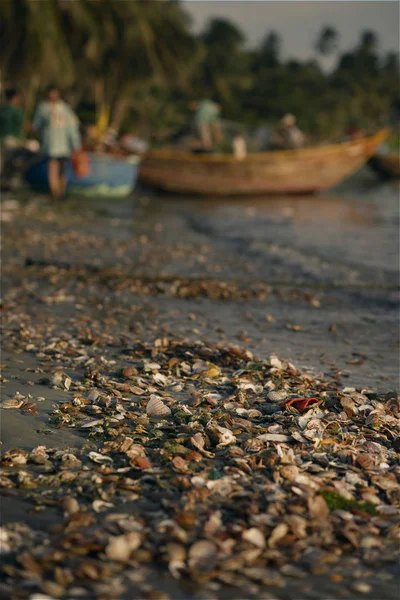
223, 491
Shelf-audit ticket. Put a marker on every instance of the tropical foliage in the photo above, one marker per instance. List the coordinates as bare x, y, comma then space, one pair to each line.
140, 61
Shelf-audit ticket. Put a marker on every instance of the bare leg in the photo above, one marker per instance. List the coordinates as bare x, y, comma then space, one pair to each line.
217, 132
54, 177
205, 135
62, 179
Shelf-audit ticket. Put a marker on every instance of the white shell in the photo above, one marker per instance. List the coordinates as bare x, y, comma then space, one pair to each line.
102, 459
254, 536
273, 437
277, 396
156, 408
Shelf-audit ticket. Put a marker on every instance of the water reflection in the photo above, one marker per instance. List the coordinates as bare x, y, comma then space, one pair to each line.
305, 209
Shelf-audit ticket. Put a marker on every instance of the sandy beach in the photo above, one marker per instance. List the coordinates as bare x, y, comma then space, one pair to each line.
207, 307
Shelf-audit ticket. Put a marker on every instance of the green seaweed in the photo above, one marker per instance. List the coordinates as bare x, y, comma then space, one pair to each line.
336, 501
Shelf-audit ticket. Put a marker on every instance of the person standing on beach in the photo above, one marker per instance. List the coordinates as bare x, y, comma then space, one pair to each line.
12, 118
58, 129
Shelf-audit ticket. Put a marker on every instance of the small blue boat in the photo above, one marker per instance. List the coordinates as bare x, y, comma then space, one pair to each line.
109, 176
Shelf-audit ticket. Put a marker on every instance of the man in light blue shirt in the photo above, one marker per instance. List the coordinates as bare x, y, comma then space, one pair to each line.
58, 128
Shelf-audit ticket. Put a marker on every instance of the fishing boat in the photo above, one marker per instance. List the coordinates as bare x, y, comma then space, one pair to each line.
386, 165
303, 171
111, 176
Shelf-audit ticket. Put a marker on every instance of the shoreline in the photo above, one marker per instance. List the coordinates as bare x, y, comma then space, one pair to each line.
134, 484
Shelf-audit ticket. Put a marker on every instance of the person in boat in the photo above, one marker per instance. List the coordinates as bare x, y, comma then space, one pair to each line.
239, 146
207, 122
58, 129
288, 136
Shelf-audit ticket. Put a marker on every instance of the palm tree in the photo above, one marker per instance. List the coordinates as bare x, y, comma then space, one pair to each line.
105, 49
328, 41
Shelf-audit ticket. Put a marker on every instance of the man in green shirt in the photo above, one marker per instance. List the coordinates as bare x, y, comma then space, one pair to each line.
207, 122
11, 120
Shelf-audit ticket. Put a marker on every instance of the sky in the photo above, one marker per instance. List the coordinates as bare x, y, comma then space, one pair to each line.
299, 21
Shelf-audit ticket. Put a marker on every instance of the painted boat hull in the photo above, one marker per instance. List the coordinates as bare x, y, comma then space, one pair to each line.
109, 176
302, 171
386, 165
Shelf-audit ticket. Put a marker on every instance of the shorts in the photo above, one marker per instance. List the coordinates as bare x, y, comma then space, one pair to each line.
62, 161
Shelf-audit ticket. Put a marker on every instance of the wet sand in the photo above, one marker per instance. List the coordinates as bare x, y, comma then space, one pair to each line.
314, 280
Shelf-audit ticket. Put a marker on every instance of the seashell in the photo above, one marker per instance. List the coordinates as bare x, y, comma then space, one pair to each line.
298, 525
120, 547
253, 413
101, 459
152, 366
277, 396
12, 403
38, 455
129, 372
156, 408
92, 424
180, 464
134, 450
60, 379
367, 461
275, 362
70, 505
277, 534
70, 460
198, 442
213, 370
254, 445
273, 437
214, 523
222, 435
393, 406
93, 395
199, 367
254, 536
289, 472
15, 457
160, 379
100, 505
137, 390
176, 558
202, 556
141, 463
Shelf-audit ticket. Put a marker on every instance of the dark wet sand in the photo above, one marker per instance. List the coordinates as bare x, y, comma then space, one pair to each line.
327, 268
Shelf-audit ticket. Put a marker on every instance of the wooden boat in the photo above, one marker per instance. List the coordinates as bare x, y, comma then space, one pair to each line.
386, 165
284, 172
110, 176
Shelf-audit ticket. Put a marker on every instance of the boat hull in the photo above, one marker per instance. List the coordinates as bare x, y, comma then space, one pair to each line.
109, 176
386, 165
302, 171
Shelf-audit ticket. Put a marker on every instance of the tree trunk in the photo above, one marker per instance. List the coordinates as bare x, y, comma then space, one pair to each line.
120, 109
31, 94
99, 96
